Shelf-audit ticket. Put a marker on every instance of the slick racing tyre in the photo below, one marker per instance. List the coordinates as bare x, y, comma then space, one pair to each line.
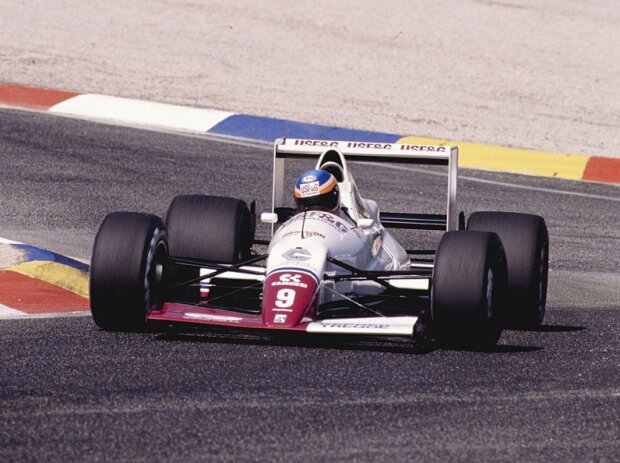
526, 242
206, 227
468, 286
124, 277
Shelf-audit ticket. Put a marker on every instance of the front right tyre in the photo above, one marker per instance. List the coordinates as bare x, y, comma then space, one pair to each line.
468, 289
124, 277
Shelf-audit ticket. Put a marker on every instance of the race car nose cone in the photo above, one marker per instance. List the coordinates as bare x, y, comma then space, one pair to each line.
288, 295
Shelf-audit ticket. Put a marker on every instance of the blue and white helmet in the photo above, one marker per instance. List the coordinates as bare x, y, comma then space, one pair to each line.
317, 189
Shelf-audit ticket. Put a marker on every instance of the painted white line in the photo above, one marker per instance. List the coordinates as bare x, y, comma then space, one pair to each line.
27, 316
129, 111
506, 184
238, 141
228, 139
7, 312
7, 241
545, 190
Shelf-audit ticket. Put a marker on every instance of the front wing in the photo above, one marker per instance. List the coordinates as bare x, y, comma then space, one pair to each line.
176, 313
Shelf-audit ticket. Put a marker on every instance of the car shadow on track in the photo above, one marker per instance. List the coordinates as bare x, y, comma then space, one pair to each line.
314, 342
387, 345
552, 329
498, 349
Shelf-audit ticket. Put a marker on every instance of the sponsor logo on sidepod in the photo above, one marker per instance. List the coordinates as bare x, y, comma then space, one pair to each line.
307, 234
325, 217
356, 325
297, 254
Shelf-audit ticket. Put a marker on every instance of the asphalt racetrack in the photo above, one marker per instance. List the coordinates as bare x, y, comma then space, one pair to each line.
69, 392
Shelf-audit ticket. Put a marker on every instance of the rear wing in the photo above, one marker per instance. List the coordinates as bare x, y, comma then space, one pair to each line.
295, 148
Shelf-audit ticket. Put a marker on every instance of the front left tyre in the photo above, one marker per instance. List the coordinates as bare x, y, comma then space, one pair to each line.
526, 241
125, 280
213, 228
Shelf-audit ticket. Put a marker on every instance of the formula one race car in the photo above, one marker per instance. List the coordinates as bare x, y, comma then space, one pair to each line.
335, 271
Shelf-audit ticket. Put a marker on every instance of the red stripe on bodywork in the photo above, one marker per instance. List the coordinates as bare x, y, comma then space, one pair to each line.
200, 315
600, 169
29, 295
30, 97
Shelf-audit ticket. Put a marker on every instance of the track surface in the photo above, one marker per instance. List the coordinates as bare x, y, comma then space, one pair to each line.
70, 392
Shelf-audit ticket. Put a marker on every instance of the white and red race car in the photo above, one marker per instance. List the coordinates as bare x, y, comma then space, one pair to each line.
322, 272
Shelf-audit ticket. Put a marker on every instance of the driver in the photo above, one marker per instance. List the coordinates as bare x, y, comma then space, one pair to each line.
317, 190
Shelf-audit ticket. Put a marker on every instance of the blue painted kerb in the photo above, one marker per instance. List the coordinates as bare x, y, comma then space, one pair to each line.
34, 253
268, 129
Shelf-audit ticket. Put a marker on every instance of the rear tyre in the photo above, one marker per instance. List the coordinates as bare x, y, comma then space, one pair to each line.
526, 242
468, 286
124, 279
206, 227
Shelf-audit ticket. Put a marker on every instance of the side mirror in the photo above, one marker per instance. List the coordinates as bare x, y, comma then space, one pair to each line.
364, 223
269, 217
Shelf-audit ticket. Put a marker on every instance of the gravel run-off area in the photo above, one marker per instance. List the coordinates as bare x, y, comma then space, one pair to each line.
521, 73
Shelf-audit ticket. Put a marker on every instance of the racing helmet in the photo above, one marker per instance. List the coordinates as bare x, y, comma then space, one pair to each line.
317, 190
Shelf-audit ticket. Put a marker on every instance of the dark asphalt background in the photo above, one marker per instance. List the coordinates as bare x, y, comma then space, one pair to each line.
69, 392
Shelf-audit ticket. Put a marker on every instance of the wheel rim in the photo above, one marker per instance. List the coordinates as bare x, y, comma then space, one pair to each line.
489, 293
152, 273
542, 283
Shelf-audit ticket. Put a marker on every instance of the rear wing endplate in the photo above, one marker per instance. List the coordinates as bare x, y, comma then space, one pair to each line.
295, 148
